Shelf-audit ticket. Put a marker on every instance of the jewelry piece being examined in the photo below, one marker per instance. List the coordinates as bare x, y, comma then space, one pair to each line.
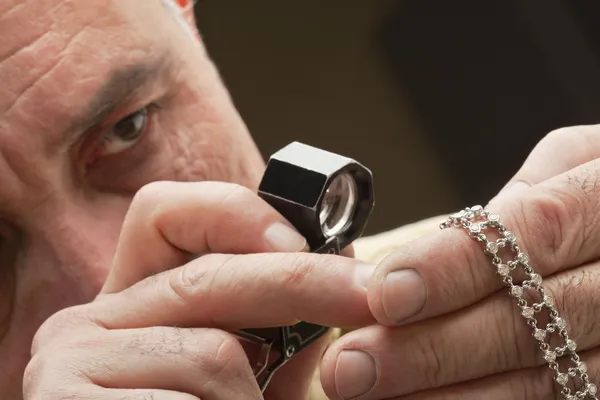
475, 220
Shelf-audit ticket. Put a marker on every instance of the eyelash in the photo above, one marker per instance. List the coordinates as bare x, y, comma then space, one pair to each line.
96, 156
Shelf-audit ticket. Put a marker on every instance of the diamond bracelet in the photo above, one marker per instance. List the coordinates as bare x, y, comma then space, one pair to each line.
476, 220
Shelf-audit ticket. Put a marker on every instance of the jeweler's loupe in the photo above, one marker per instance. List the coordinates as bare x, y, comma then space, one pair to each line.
329, 199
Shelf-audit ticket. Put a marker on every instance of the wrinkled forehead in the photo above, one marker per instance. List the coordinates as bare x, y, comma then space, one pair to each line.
57, 51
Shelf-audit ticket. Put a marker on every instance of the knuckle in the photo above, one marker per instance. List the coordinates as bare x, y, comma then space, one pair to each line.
543, 225
31, 376
238, 193
581, 193
432, 363
51, 330
574, 296
581, 140
42, 376
158, 341
559, 137
514, 349
297, 268
194, 280
472, 258
224, 357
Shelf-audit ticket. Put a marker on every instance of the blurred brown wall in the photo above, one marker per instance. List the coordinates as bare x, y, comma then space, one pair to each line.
312, 71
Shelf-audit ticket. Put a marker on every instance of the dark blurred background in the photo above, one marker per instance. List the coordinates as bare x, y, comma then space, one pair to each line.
443, 100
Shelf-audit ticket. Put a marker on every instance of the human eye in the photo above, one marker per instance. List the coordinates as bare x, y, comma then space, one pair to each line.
125, 134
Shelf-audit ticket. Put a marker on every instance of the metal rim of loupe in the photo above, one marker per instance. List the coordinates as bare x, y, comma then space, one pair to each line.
338, 205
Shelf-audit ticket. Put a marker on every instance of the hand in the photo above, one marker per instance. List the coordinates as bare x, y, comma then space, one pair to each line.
160, 328
450, 329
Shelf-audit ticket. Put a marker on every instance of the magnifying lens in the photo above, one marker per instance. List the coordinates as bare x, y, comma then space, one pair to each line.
329, 199
338, 205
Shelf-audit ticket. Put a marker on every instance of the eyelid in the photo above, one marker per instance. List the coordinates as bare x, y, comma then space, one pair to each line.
96, 139
92, 138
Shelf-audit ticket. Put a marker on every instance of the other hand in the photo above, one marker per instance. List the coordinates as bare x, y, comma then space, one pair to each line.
448, 327
161, 327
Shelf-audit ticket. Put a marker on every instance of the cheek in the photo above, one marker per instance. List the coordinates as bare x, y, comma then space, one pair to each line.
7, 291
65, 263
202, 156
69, 253
203, 147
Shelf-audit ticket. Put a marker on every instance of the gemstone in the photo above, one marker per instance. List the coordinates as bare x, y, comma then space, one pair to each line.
527, 312
561, 323
582, 367
510, 236
503, 270
550, 356
592, 389
571, 345
516, 291
475, 228
562, 378
549, 301
523, 258
540, 334
536, 279
494, 218
491, 247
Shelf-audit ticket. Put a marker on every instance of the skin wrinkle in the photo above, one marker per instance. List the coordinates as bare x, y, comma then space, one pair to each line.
27, 47
15, 7
514, 324
36, 51
37, 38
56, 65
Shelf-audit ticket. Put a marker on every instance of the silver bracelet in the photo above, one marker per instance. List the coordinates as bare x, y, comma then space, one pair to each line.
475, 220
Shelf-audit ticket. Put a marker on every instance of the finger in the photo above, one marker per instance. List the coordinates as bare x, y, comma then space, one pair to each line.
559, 152
90, 392
206, 363
556, 223
527, 384
488, 338
170, 221
244, 291
117, 394
348, 251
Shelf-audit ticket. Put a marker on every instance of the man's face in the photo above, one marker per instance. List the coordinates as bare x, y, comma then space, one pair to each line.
97, 98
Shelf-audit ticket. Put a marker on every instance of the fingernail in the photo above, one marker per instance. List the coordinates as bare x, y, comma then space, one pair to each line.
363, 274
285, 239
404, 294
355, 374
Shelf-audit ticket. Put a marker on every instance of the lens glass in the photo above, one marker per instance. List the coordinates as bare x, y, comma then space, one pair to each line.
338, 205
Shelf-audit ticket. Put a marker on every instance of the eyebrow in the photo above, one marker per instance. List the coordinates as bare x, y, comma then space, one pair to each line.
123, 84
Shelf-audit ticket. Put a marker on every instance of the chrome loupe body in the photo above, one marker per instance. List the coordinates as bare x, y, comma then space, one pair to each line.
329, 199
